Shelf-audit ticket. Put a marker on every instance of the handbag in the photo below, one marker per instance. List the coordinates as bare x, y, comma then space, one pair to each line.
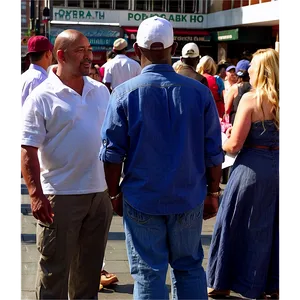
225, 124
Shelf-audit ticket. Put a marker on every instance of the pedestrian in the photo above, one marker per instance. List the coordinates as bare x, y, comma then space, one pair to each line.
109, 56
244, 63
94, 73
244, 251
230, 79
220, 78
62, 119
39, 51
235, 94
165, 128
190, 57
121, 68
207, 67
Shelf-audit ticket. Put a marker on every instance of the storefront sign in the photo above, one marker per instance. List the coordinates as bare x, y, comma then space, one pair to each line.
100, 37
125, 18
63, 14
179, 18
228, 35
188, 38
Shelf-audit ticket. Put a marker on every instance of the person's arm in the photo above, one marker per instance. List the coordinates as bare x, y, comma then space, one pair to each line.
241, 126
33, 135
107, 78
214, 157
232, 93
114, 148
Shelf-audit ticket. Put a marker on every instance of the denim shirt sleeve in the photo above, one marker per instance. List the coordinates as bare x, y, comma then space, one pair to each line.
214, 154
114, 132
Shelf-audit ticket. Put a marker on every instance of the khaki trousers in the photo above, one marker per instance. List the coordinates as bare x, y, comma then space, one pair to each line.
72, 247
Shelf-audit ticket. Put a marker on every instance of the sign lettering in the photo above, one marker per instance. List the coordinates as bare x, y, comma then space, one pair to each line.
73, 14
125, 18
179, 18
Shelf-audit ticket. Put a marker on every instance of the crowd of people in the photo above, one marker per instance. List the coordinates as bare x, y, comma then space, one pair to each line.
144, 140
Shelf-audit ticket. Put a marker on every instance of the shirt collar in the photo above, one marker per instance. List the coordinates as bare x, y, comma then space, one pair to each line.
188, 66
60, 86
158, 68
38, 68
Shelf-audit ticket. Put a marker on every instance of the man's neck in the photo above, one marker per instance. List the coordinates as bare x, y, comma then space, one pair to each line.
74, 82
41, 64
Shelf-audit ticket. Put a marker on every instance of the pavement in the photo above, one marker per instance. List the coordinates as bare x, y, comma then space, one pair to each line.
115, 255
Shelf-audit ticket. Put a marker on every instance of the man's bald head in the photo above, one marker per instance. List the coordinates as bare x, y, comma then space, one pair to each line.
73, 53
64, 39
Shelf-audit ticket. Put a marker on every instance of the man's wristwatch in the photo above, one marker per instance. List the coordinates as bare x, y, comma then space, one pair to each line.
114, 197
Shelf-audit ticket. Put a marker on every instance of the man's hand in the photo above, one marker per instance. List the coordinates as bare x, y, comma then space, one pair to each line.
118, 205
41, 209
211, 205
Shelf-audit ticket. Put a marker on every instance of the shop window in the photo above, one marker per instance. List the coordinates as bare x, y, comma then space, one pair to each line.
189, 6
105, 4
73, 3
90, 3
58, 2
23, 20
122, 4
141, 5
226, 4
157, 5
236, 3
245, 2
174, 6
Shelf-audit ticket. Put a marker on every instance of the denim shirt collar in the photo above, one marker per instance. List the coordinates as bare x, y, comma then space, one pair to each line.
157, 68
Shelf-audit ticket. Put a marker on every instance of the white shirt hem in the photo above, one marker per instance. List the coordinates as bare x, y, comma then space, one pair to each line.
73, 192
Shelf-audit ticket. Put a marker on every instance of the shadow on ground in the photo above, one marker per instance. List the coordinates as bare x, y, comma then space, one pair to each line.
122, 289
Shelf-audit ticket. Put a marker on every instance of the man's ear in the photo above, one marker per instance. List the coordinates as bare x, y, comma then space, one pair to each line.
174, 47
60, 54
137, 50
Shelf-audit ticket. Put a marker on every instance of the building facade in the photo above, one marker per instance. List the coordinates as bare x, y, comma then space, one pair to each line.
222, 29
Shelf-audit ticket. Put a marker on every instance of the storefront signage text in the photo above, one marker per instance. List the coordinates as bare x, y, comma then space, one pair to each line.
125, 18
73, 14
170, 17
189, 38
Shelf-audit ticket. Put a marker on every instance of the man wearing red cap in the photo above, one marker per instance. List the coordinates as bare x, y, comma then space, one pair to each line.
40, 55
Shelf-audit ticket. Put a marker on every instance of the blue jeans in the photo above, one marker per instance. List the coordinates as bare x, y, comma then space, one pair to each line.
153, 242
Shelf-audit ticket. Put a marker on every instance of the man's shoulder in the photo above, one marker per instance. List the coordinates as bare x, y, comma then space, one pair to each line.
31, 74
97, 84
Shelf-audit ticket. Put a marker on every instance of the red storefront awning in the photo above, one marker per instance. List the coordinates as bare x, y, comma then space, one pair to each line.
176, 31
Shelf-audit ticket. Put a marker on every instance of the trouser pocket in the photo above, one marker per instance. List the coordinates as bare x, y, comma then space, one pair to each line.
46, 239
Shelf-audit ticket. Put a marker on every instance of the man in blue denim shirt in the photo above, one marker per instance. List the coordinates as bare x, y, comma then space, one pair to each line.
165, 128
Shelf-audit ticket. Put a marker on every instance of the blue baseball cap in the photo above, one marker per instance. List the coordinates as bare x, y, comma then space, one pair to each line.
243, 65
230, 68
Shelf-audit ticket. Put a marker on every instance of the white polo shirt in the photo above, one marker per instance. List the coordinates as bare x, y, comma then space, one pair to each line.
120, 69
66, 126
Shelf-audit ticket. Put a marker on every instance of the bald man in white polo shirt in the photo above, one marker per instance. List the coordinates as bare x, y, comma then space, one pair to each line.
62, 118
121, 68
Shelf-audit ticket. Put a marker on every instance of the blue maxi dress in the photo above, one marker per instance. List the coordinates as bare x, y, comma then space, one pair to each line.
244, 252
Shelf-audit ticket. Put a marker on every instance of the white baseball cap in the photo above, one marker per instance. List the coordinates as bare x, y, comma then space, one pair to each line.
190, 50
155, 30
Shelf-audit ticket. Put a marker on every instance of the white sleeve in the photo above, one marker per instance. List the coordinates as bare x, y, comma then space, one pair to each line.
33, 123
107, 74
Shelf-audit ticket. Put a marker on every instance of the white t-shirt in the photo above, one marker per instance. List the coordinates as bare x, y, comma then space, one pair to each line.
120, 69
66, 126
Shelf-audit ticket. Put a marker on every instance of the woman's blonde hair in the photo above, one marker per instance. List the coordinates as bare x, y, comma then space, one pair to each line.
266, 80
206, 65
